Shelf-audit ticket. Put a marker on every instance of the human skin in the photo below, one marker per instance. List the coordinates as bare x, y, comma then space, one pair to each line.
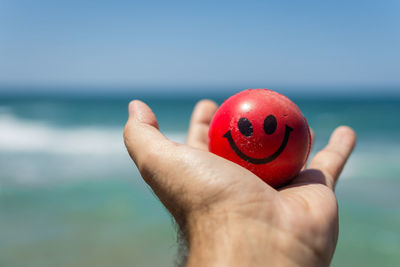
229, 216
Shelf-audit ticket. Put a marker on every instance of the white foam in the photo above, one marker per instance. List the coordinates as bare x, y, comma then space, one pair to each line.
33, 151
17, 135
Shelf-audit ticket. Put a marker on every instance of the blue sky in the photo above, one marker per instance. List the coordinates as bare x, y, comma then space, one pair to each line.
206, 44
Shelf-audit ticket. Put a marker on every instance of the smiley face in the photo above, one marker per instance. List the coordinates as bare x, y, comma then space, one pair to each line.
246, 129
262, 131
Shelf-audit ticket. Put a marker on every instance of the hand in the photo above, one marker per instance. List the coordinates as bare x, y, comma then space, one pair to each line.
229, 216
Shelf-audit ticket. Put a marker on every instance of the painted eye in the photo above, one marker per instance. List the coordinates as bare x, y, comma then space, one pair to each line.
245, 127
270, 124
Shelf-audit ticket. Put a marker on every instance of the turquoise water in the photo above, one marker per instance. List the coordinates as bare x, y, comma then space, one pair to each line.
70, 196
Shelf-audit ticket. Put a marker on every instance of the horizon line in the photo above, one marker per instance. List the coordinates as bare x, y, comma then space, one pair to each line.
196, 90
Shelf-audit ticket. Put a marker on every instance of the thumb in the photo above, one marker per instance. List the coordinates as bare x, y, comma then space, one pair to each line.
141, 135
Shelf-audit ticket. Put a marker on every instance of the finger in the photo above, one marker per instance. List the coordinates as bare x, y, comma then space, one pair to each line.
312, 139
154, 155
331, 160
141, 134
199, 124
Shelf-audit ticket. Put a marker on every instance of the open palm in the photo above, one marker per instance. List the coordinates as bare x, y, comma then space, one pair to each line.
211, 197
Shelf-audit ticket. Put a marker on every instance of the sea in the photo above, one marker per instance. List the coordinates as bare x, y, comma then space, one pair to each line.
71, 196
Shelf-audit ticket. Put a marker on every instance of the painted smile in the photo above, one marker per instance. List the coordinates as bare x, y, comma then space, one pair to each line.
268, 159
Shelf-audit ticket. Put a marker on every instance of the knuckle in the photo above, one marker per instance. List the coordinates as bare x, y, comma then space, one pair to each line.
335, 153
148, 159
126, 134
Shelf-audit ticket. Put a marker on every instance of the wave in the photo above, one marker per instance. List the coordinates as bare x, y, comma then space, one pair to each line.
33, 151
18, 135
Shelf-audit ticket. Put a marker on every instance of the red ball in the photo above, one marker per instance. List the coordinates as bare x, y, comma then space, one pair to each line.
264, 132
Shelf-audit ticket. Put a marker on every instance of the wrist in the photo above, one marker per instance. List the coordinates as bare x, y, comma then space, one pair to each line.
225, 240
228, 240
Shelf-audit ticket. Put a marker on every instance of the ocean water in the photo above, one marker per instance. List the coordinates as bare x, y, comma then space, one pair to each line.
70, 195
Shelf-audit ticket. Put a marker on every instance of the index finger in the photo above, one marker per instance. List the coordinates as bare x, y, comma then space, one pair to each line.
199, 124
